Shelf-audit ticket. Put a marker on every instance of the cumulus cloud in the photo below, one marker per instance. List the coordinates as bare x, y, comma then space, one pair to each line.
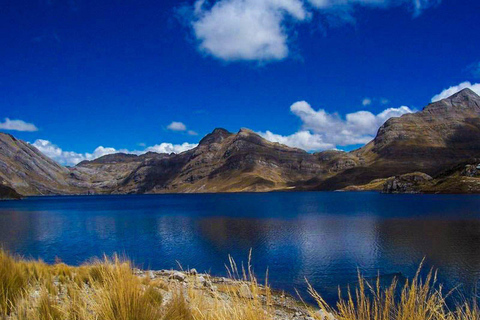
260, 30
245, 29
302, 139
454, 89
181, 127
17, 125
171, 148
71, 158
322, 130
177, 126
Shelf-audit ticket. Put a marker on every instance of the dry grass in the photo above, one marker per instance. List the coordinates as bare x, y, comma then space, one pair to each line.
13, 282
108, 289
418, 299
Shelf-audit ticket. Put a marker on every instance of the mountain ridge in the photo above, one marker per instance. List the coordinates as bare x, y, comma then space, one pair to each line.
442, 135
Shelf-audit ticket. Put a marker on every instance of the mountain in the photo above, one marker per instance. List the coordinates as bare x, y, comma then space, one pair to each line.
222, 162
442, 135
26, 170
427, 151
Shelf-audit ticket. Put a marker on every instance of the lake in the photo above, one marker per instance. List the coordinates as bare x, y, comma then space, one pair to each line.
322, 236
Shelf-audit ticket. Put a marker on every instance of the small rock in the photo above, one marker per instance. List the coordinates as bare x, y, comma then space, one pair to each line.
193, 272
323, 315
151, 274
201, 279
137, 272
225, 280
177, 275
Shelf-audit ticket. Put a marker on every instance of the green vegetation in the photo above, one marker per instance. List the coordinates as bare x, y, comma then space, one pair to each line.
110, 289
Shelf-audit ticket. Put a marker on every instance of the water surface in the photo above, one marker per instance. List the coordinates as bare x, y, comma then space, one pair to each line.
324, 237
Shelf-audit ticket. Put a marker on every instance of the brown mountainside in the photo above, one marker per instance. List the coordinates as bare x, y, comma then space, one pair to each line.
28, 171
444, 134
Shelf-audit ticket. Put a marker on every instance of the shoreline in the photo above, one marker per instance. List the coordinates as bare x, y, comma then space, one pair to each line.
286, 306
239, 193
111, 289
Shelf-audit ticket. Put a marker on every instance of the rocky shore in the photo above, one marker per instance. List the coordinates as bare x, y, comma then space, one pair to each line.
285, 306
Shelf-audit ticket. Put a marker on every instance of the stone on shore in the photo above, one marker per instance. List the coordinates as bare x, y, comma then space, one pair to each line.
180, 276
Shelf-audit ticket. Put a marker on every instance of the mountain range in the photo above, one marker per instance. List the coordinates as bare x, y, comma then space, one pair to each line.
434, 150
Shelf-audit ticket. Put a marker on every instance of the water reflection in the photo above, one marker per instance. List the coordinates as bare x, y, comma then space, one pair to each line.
322, 236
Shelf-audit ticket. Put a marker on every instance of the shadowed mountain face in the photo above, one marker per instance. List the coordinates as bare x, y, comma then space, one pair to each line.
442, 135
8, 193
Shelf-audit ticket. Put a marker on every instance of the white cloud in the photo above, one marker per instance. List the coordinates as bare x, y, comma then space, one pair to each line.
366, 102
454, 89
177, 126
192, 133
260, 30
245, 29
54, 152
303, 139
322, 130
71, 158
17, 125
171, 148
377, 101
416, 5
181, 127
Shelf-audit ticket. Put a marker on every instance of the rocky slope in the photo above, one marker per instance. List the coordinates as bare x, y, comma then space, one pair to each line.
28, 171
443, 135
222, 162
463, 178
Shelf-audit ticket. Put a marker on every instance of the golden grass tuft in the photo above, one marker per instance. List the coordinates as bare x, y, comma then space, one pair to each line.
418, 299
119, 295
13, 282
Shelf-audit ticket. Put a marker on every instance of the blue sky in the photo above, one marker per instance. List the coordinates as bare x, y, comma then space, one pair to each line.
134, 75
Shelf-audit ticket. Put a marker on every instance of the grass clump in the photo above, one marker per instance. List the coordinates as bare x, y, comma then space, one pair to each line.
119, 295
13, 282
417, 299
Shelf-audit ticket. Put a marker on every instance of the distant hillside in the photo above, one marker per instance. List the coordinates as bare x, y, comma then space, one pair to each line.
443, 135
222, 162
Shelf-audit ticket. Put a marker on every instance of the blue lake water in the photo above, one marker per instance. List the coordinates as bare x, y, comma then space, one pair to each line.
325, 237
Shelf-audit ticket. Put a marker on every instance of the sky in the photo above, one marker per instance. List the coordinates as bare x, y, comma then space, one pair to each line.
84, 78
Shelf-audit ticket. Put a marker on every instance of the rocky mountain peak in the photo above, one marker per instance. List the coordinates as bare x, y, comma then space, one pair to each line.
464, 95
217, 136
465, 100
